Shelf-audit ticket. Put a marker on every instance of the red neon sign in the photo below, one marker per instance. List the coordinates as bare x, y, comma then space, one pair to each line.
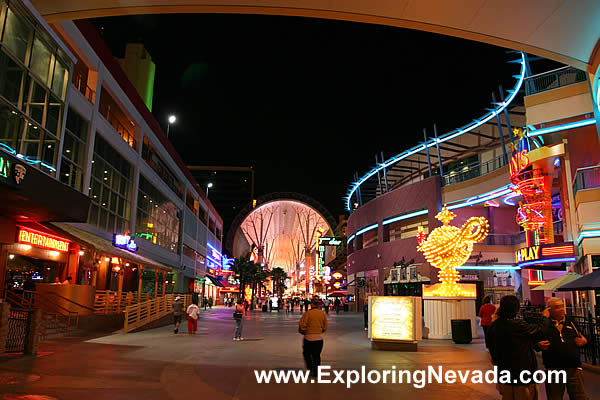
43, 240
518, 163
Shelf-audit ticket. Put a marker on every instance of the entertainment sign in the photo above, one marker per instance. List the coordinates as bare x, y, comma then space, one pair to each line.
45, 241
545, 254
124, 242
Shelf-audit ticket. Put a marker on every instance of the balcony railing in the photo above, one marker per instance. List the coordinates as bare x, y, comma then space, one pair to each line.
472, 171
504, 239
81, 84
560, 77
587, 178
127, 134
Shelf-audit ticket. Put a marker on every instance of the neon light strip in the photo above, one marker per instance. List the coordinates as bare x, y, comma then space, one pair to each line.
539, 132
451, 135
351, 238
548, 261
368, 228
492, 267
27, 159
588, 234
510, 197
549, 251
503, 191
405, 216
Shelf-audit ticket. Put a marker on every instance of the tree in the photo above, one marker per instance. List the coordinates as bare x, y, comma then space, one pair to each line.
279, 276
244, 270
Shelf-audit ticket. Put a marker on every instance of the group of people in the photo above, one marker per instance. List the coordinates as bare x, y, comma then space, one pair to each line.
512, 343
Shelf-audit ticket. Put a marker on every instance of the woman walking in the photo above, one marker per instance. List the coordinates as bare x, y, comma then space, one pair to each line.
485, 312
238, 315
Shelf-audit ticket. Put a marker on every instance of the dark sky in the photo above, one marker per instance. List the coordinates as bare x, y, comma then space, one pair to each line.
306, 102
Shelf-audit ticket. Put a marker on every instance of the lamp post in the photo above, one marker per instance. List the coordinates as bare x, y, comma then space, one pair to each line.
171, 120
208, 186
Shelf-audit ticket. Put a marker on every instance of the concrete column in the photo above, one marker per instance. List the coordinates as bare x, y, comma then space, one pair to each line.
3, 268
33, 335
155, 283
140, 276
4, 311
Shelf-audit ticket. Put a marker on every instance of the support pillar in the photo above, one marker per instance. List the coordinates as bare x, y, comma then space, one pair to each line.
140, 276
4, 312
33, 332
155, 283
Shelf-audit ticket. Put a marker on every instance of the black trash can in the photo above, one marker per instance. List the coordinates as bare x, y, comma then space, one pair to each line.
346, 307
461, 331
264, 308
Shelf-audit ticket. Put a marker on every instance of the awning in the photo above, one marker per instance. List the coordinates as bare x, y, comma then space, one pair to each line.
215, 281
105, 246
556, 283
586, 282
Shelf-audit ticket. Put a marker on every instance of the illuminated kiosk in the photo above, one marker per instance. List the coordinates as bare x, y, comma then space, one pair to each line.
446, 248
395, 322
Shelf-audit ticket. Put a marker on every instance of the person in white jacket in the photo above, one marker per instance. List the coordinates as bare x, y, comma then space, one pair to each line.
193, 313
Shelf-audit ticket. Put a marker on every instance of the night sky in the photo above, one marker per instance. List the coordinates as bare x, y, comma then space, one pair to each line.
306, 102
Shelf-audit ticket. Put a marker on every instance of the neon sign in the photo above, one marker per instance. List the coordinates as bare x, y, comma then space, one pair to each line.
42, 240
518, 162
545, 254
124, 242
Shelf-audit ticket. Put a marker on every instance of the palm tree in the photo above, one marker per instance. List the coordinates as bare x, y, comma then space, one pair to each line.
279, 276
244, 271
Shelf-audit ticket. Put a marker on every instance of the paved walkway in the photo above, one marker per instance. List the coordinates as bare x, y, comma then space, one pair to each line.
158, 364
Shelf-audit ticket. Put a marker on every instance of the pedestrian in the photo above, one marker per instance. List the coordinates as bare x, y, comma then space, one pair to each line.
306, 304
193, 313
312, 325
204, 302
336, 304
238, 314
210, 302
485, 313
512, 342
292, 303
326, 304
287, 305
67, 281
177, 313
560, 351
246, 306
366, 313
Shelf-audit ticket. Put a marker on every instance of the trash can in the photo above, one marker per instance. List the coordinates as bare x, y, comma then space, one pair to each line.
264, 308
461, 331
346, 307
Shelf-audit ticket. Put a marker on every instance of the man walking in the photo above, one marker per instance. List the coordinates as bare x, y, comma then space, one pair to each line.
177, 313
312, 325
560, 351
326, 303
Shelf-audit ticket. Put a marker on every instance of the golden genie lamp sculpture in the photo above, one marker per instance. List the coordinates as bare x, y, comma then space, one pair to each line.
448, 247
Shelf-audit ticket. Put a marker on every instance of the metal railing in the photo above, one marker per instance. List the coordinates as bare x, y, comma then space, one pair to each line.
504, 239
471, 171
111, 302
81, 84
560, 77
143, 313
588, 326
18, 330
587, 178
126, 133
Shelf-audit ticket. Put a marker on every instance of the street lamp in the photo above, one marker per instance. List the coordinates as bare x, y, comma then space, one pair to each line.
171, 120
208, 187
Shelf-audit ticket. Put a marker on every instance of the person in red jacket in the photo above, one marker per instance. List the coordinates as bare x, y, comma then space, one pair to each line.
485, 312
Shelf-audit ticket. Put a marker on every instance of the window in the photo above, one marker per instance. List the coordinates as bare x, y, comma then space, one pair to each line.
370, 238
192, 203
203, 215
71, 168
150, 155
40, 59
11, 78
110, 189
406, 228
17, 34
157, 218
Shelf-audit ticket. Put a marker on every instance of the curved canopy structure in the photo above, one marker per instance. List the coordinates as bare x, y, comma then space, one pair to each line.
282, 230
563, 30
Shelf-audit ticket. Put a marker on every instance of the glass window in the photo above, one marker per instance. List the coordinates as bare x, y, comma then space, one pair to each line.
11, 78
113, 213
405, 228
11, 126
59, 78
16, 34
53, 115
40, 59
157, 218
71, 170
370, 238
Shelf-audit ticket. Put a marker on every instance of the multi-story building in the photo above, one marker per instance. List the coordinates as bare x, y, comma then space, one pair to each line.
482, 169
75, 127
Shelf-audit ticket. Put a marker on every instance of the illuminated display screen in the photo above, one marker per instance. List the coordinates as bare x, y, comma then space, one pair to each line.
42, 240
392, 318
545, 254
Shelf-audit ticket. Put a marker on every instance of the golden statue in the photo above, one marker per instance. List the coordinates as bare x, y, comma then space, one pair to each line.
448, 247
